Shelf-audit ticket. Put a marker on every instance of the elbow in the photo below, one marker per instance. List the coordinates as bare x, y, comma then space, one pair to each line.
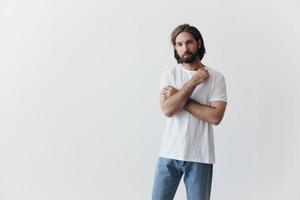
168, 114
216, 121
170, 111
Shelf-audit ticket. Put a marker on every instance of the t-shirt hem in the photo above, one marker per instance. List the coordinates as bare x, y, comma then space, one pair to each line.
187, 159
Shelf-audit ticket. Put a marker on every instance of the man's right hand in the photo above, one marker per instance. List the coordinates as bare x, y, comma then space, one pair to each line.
200, 76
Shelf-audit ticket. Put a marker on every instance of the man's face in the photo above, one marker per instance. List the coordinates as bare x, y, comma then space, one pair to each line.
186, 47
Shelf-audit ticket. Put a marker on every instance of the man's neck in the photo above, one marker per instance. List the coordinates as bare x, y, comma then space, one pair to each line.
194, 66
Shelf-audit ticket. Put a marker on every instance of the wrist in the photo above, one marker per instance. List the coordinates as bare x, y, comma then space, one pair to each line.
192, 83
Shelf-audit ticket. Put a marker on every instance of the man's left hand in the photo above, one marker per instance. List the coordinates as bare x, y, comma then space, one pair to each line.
169, 91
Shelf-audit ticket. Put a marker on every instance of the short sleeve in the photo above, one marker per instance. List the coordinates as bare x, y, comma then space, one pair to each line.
165, 80
219, 89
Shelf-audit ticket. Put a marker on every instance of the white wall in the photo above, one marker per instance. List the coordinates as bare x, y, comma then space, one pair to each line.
79, 82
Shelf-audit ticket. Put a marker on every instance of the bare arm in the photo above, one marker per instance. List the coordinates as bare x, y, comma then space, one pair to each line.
170, 105
173, 100
212, 113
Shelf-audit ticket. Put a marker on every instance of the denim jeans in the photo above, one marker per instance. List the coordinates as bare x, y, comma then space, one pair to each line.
168, 173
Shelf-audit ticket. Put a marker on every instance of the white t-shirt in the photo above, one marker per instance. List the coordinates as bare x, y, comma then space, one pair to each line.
186, 137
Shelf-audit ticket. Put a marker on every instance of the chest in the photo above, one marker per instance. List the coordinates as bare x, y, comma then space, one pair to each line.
202, 92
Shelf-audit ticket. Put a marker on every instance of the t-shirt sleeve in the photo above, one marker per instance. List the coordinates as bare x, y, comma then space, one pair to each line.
219, 89
165, 80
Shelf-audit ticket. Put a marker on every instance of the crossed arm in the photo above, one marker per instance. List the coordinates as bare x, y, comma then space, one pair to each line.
173, 100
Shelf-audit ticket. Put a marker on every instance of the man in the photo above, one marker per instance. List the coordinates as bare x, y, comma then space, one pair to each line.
193, 97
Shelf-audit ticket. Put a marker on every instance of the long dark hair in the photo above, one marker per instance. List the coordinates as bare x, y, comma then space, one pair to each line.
196, 34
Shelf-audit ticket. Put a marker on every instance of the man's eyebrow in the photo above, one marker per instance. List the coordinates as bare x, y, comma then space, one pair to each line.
189, 40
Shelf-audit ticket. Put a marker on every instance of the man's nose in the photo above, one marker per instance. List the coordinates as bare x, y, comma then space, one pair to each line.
184, 48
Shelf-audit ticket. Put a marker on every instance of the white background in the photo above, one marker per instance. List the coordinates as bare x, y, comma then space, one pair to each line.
79, 94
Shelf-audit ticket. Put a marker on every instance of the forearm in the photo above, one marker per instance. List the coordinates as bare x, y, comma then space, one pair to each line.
176, 102
203, 112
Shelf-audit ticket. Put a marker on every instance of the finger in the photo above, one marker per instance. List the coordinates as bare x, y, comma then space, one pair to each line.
166, 88
166, 95
169, 87
163, 91
173, 88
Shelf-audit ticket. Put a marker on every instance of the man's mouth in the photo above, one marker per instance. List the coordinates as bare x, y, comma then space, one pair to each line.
187, 54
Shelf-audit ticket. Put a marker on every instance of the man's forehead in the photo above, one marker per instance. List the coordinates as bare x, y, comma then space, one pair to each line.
184, 36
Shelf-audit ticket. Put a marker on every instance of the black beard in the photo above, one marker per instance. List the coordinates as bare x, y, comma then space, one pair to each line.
188, 58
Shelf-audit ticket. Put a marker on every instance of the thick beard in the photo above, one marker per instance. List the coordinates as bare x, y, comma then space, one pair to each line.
190, 58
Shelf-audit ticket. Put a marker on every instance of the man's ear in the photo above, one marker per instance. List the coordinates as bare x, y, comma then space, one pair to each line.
199, 43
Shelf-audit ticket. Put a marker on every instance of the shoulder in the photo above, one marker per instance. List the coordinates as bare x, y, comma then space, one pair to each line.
214, 73
170, 72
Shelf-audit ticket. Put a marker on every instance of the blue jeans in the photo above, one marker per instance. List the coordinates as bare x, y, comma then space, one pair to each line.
168, 173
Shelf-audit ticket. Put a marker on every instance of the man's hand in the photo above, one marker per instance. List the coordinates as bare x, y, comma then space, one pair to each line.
200, 76
168, 91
